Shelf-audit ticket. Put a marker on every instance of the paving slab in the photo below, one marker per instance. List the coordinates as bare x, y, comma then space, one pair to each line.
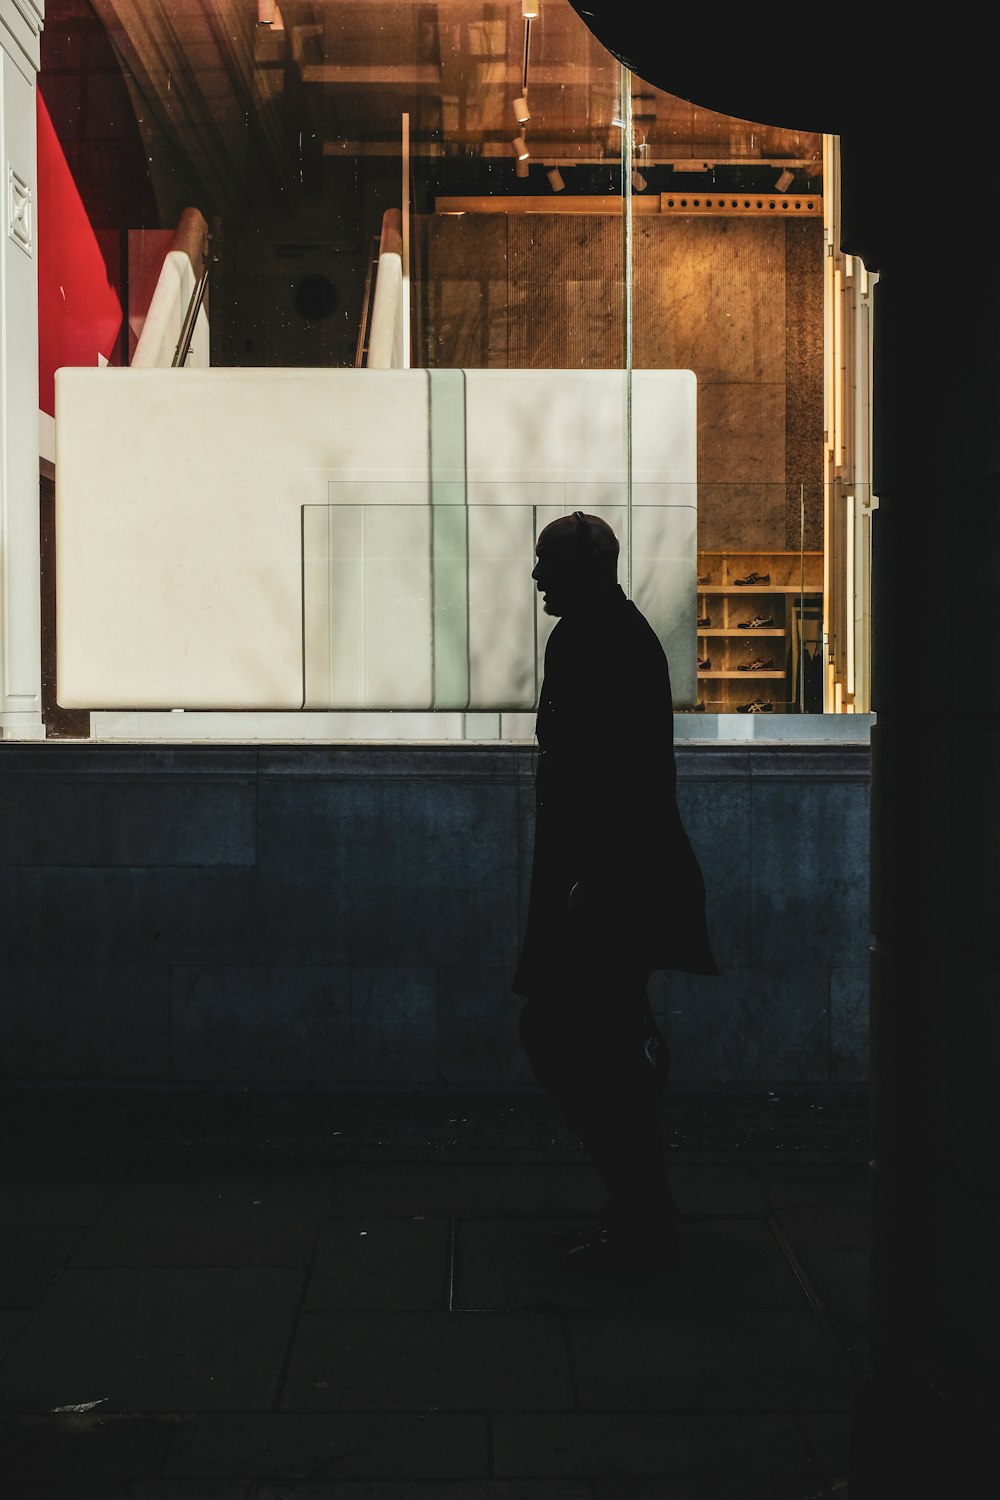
12, 1322
30, 1258
377, 1262
574, 1187
828, 1433
511, 1264
715, 1487
418, 1361
724, 1264
715, 1188
844, 1225
154, 1340
619, 1445
321, 1445
477, 1489
38, 1123
799, 1185
140, 1490
406, 1187
124, 1489
191, 1489
41, 1192
211, 1214
310, 1297
85, 1445
691, 1358
841, 1277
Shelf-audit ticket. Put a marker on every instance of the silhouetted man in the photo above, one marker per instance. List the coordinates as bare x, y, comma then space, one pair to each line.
616, 890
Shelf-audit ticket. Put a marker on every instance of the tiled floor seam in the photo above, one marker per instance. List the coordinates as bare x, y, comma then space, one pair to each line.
57, 1276
279, 1386
452, 1238
813, 1455
798, 1269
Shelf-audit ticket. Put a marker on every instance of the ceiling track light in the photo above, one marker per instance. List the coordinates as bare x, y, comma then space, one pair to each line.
521, 167
638, 181
785, 179
520, 146
521, 111
530, 9
555, 179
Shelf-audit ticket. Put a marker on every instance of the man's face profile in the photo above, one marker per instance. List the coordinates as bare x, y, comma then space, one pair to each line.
554, 573
569, 569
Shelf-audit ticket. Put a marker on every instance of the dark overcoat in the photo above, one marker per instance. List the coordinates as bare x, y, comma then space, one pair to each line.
606, 814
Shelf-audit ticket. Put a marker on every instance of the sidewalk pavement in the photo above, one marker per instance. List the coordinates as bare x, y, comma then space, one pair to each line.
254, 1296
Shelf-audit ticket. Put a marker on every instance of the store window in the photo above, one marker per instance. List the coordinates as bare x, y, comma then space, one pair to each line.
393, 285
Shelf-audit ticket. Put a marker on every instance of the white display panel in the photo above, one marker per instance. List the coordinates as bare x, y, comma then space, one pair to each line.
279, 539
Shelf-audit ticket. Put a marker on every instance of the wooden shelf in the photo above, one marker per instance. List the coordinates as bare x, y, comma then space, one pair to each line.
796, 590
762, 631
750, 589
737, 676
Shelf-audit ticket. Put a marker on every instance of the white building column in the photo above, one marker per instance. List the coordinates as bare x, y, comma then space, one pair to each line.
21, 24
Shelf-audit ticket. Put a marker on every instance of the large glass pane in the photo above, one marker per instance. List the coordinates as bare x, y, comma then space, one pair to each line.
442, 190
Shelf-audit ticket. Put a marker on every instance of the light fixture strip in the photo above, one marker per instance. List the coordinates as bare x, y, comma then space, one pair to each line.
527, 48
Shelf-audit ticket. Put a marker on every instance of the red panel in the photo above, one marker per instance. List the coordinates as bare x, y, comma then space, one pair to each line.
79, 314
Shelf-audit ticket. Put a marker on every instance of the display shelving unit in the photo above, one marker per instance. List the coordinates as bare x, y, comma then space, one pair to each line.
729, 643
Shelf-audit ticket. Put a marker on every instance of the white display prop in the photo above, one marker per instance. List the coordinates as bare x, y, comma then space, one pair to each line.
276, 539
164, 322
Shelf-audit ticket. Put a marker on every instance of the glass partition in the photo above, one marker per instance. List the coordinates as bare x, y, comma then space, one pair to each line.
462, 192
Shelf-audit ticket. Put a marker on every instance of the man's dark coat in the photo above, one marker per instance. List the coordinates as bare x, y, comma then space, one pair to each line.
606, 815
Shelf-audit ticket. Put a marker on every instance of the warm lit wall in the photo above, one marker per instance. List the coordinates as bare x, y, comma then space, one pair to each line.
737, 300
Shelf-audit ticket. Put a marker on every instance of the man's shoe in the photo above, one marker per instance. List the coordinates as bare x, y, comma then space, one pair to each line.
753, 578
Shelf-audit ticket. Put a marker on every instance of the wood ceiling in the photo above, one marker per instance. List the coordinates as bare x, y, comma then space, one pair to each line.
232, 98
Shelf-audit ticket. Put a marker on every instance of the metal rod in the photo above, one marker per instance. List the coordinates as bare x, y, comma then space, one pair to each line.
190, 318
366, 305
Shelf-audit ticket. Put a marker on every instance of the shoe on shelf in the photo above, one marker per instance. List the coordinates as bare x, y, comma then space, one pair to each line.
704, 578
755, 706
703, 620
757, 665
704, 663
752, 578
759, 622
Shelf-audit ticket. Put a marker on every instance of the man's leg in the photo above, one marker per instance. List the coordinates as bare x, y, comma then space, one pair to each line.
589, 1052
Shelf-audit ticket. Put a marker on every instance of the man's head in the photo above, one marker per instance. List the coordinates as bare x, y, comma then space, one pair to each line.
577, 562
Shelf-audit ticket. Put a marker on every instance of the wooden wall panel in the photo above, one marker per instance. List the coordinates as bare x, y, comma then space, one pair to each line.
709, 296
461, 295
565, 291
804, 384
738, 301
